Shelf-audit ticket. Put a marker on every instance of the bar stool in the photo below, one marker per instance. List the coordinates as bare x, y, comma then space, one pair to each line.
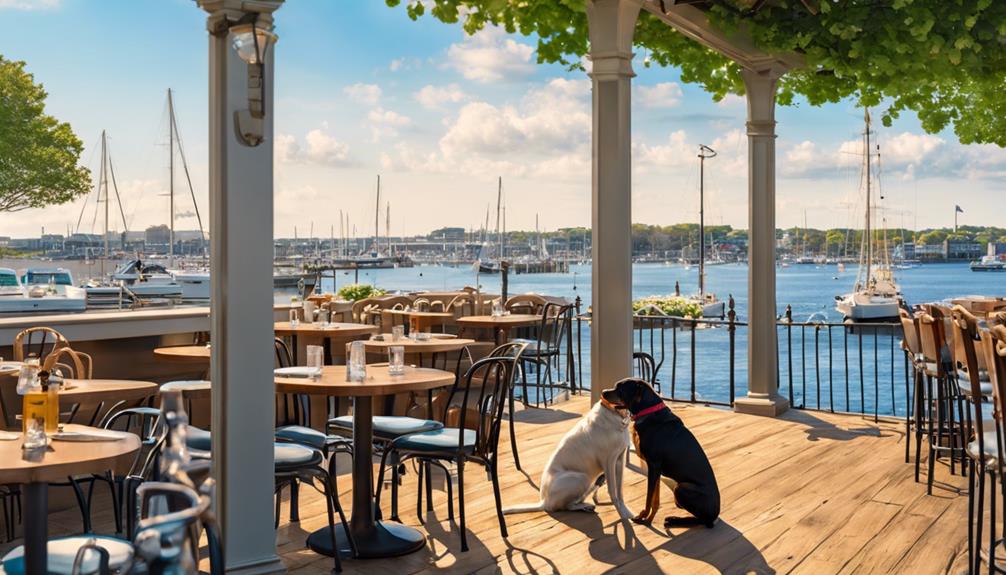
944, 433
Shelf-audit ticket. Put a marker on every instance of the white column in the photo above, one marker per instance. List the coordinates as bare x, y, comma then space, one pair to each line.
241, 214
763, 366
611, 24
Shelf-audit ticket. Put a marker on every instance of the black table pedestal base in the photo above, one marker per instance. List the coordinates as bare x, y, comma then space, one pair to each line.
386, 540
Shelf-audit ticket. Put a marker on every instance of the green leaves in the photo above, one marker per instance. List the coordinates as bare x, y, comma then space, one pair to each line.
356, 292
38, 154
944, 60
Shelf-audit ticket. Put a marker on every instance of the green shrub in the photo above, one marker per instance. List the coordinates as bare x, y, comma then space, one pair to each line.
356, 292
675, 306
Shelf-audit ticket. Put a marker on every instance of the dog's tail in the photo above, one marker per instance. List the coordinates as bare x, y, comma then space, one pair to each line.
525, 508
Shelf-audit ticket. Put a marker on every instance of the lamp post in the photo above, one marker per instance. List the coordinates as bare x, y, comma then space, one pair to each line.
241, 211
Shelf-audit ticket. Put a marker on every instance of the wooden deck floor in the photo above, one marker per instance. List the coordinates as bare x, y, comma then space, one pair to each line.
806, 493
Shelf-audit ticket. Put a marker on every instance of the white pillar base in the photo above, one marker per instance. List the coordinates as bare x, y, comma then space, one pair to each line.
768, 406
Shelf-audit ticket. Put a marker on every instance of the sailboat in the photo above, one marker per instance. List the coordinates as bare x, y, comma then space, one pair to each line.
876, 295
490, 264
711, 305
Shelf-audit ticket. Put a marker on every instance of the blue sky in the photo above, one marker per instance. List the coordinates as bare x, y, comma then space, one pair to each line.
362, 90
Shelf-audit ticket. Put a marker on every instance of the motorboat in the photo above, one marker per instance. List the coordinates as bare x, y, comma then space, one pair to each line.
989, 264
40, 291
136, 280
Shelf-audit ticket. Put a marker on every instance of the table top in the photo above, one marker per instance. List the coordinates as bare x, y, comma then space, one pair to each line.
512, 320
10, 367
414, 346
184, 353
65, 458
379, 382
318, 328
77, 390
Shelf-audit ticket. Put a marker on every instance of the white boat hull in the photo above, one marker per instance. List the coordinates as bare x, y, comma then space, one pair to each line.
865, 307
71, 300
716, 309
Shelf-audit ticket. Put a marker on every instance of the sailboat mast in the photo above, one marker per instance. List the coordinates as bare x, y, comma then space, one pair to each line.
499, 202
387, 226
171, 178
377, 217
869, 205
104, 182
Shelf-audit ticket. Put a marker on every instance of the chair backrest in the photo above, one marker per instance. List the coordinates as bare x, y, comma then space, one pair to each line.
148, 424
555, 319
910, 338
164, 540
421, 304
932, 338
525, 303
77, 365
966, 333
997, 345
38, 340
645, 368
461, 305
291, 408
483, 392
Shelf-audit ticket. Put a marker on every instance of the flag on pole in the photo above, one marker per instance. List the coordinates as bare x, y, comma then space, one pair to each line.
958, 210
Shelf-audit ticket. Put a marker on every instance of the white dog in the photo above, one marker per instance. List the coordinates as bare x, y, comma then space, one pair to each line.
594, 446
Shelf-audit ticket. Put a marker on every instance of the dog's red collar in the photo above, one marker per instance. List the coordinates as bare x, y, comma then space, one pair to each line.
648, 411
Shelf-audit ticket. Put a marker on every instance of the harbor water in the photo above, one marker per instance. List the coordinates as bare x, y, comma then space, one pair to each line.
808, 288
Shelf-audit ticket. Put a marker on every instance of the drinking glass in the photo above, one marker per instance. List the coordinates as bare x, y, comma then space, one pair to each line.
308, 311
34, 433
396, 359
294, 317
325, 317
497, 308
357, 363
397, 332
315, 359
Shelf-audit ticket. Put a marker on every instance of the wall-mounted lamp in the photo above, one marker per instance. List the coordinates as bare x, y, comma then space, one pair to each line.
252, 43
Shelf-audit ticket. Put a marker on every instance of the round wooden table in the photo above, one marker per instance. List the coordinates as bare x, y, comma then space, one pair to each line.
184, 353
78, 390
326, 332
34, 470
501, 325
415, 346
10, 367
418, 320
374, 539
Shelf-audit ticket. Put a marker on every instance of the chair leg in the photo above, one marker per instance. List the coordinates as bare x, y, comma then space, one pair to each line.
116, 501
295, 501
83, 503
279, 507
429, 487
933, 422
499, 501
419, 493
394, 487
513, 433
980, 517
330, 508
461, 502
971, 513
992, 527
380, 483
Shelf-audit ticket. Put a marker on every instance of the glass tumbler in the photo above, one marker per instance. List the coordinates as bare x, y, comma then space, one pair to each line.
396, 360
397, 333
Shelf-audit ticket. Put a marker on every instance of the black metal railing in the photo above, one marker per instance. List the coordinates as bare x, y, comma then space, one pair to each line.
837, 367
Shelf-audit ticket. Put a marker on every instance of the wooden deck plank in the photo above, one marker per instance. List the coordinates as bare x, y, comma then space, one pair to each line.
808, 492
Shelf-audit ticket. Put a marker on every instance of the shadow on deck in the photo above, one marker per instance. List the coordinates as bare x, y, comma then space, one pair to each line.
808, 492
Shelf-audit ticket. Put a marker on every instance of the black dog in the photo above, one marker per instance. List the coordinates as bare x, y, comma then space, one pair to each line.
669, 449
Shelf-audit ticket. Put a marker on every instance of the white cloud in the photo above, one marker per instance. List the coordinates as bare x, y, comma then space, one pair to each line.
662, 95
732, 100
676, 152
903, 155
386, 123
29, 4
319, 148
368, 94
547, 132
491, 56
396, 64
436, 97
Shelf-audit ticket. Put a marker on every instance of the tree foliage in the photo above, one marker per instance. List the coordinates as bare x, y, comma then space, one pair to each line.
943, 59
38, 153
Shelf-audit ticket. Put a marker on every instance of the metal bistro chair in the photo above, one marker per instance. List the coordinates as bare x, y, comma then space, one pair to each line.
994, 458
148, 422
479, 415
912, 347
544, 350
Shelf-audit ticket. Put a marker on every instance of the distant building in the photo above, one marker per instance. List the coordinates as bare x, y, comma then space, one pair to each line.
157, 236
994, 248
4, 241
905, 251
962, 250
930, 252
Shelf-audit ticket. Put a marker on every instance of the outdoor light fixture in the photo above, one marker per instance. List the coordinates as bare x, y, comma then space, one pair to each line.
251, 43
